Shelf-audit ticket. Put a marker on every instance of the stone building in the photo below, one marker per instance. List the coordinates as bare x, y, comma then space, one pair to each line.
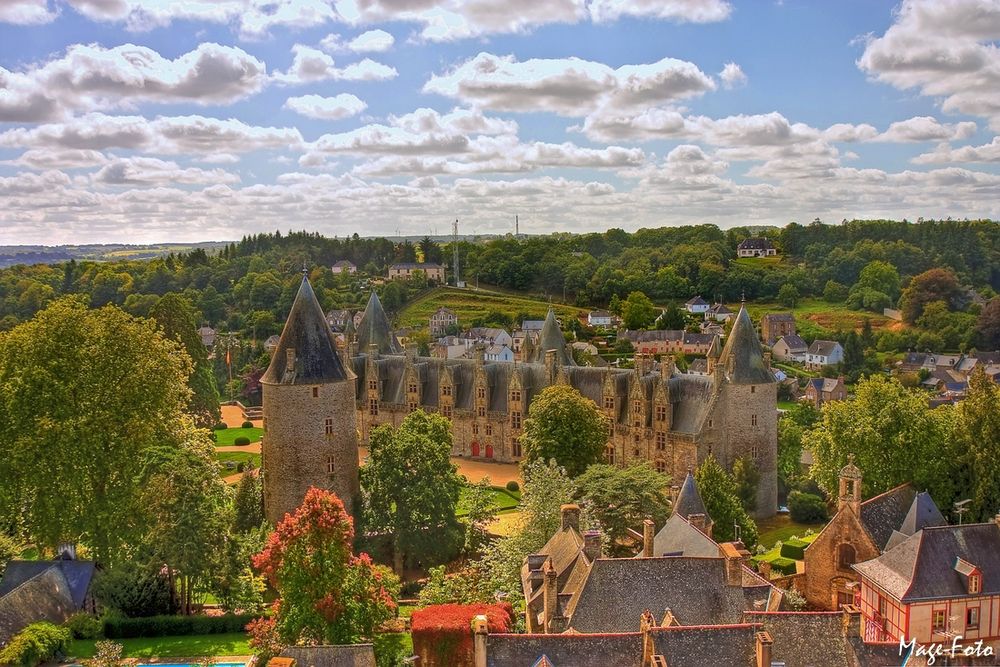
775, 325
441, 319
670, 419
433, 272
310, 426
824, 390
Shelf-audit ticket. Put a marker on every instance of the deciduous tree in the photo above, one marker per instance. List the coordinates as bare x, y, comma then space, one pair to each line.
565, 426
620, 498
720, 495
638, 312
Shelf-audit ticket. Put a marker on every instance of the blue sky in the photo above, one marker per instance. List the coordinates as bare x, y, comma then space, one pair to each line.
160, 120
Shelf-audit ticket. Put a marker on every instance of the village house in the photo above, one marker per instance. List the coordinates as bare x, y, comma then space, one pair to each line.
696, 306
441, 319
775, 325
271, 344
698, 367
498, 353
207, 335
600, 318
824, 390
344, 266
824, 353
756, 247
790, 348
719, 312
712, 327
666, 341
338, 319
404, 270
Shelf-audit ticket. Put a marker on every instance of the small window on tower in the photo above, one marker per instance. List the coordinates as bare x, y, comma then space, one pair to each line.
330, 465
753, 389
753, 420
328, 425
489, 429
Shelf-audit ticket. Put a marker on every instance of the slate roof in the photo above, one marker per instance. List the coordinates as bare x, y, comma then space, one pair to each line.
689, 500
308, 334
42, 590
696, 301
923, 566
415, 265
794, 343
762, 243
779, 317
741, 357
805, 639
551, 338
823, 348
352, 655
374, 329
886, 512
641, 336
923, 513
680, 538
532, 325
824, 384
698, 366
565, 650
719, 309
618, 590
706, 646
343, 263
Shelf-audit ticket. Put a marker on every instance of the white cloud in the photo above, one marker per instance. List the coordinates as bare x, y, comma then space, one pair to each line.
338, 107
90, 76
847, 132
372, 41
568, 86
692, 11
946, 50
153, 171
925, 128
50, 158
946, 154
26, 12
732, 76
310, 65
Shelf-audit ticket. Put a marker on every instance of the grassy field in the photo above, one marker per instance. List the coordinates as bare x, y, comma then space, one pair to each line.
815, 317
504, 500
171, 647
227, 437
238, 457
470, 304
780, 527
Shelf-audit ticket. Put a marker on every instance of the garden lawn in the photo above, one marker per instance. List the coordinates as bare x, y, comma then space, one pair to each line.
171, 647
238, 457
227, 437
470, 304
775, 552
505, 501
780, 527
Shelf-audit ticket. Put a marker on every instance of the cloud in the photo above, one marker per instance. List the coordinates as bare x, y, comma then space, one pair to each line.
48, 158
153, 171
310, 65
925, 128
90, 76
26, 12
946, 50
682, 11
568, 86
339, 107
372, 41
732, 76
945, 154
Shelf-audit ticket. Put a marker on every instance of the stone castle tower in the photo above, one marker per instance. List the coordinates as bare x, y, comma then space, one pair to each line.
310, 423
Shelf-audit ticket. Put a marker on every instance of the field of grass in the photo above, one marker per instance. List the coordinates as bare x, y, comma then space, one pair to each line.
470, 304
780, 527
238, 457
505, 500
171, 647
227, 437
815, 317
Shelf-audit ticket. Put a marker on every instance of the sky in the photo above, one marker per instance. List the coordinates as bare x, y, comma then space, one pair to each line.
150, 121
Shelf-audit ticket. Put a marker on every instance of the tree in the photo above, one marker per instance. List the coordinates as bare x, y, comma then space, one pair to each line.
788, 295
746, 476
834, 292
638, 312
932, 285
564, 426
327, 595
248, 504
671, 319
977, 433
411, 487
867, 336
177, 318
620, 498
880, 276
481, 510
988, 325
854, 354
85, 395
720, 495
806, 507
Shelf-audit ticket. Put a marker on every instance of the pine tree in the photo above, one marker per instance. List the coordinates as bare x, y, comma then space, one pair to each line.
720, 494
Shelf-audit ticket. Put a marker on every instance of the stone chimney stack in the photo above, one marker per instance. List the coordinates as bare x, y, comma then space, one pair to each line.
373, 351
550, 595
570, 516
667, 366
550, 364
648, 533
852, 620
480, 629
767, 358
735, 555
764, 643
698, 521
592, 544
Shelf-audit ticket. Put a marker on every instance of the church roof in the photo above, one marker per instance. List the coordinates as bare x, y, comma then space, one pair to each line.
551, 338
689, 500
680, 538
741, 357
375, 329
886, 512
307, 333
923, 513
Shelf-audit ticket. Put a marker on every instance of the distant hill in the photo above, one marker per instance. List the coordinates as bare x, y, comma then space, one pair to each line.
11, 255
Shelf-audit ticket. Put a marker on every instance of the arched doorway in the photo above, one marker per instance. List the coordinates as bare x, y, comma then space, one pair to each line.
475, 448
489, 451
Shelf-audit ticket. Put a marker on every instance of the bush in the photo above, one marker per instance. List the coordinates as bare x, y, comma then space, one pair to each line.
441, 633
221, 426
785, 566
806, 507
513, 486
134, 589
240, 467
107, 654
166, 626
794, 549
247, 424
213, 436
84, 626
241, 441
35, 644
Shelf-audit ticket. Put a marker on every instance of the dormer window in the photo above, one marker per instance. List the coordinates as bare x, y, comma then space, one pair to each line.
975, 584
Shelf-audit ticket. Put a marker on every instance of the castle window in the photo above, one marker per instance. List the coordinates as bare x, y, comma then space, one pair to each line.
609, 402
753, 389
515, 420
331, 465
661, 441
609, 455
611, 428
636, 453
515, 395
661, 413
753, 420
412, 406
637, 407
481, 411
515, 447
480, 392
412, 388
755, 452
661, 466
475, 429
489, 429
373, 406
710, 423
446, 411
446, 390
315, 392
328, 425
846, 556
373, 383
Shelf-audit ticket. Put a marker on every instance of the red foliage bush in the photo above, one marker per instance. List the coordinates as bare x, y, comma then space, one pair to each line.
442, 633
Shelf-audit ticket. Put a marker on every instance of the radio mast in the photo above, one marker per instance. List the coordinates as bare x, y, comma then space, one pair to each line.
454, 249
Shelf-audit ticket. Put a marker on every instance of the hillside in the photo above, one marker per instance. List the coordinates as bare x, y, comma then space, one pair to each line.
471, 304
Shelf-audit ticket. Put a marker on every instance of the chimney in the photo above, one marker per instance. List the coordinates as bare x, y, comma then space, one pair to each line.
372, 351
852, 620
550, 596
647, 623
480, 629
767, 358
735, 555
592, 544
764, 644
570, 516
667, 366
698, 521
647, 538
550, 364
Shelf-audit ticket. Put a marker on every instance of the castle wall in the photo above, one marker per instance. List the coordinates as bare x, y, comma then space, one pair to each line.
751, 432
309, 440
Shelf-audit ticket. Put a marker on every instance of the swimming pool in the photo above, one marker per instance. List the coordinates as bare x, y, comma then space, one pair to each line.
189, 664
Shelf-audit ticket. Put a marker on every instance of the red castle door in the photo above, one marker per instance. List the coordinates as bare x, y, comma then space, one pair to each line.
475, 449
489, 451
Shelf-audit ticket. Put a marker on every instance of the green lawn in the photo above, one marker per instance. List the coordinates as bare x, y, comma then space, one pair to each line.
238, 457
505, 500
775, 552
227, 437
392, 647
469, 304
815, 317
171, 647
780, 527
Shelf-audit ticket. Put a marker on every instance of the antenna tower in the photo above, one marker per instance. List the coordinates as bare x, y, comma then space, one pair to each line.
454, 248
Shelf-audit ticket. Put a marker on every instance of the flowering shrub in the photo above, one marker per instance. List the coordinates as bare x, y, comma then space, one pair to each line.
442, 634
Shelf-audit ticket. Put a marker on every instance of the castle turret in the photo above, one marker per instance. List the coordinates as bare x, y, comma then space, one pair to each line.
310, 423
690, 506
551, 338
374, 329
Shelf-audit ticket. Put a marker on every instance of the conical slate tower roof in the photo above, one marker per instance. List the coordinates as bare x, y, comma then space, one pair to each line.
741, 357
689, 500
349, 329
374, 329
551, 338
713, 349
307, 333
923, 513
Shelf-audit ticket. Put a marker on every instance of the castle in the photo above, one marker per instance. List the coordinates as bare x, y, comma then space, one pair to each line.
673, 420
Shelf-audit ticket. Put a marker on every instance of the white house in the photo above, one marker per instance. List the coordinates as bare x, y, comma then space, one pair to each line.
761, 247
824, 353
498, 353
344, 266
719, 312
696, 306
600, 318
790, 348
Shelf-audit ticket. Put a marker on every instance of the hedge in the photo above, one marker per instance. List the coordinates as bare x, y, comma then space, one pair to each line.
512, 486
794, 549
442, 633
806, 507
165, 626
783, 565
35, 644
247, 424
241, 441
221, 426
